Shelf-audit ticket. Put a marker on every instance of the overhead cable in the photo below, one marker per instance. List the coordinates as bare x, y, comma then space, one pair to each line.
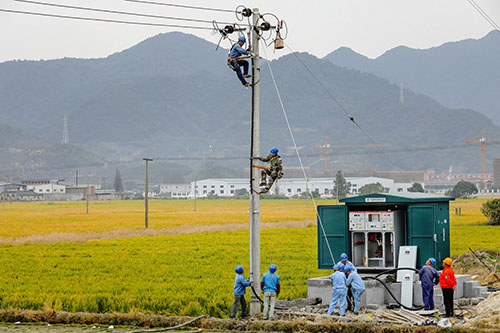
41, 3
104, 20
181, 6
483, 14
320, 222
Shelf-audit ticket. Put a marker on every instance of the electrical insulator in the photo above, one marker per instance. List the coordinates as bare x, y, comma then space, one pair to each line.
265, 26
279, 43
247, 12
229, 29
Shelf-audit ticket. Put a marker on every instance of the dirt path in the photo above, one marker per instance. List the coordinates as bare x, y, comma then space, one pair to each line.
130, 233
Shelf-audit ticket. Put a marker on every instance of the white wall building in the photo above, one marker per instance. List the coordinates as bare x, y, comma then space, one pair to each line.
222, 187
175, 190
46, 188
226, 187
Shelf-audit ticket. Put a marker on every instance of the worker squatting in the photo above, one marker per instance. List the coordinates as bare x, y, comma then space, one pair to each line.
346, 281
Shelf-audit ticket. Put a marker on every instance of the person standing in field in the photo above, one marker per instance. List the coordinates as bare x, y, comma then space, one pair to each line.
240, 284
339, 289
428, 278
270, 286
448, 283
358, 286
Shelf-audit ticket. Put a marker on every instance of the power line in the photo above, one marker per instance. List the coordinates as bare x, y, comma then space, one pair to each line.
104, 20
181, 6
40, 3
483, 14
351, 118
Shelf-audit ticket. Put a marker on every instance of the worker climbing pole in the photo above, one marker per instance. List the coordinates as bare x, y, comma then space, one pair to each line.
259, 29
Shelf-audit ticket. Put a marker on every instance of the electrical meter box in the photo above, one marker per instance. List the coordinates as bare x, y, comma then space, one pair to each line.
371, 228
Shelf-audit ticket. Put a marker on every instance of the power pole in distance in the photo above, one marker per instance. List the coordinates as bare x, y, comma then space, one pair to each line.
146, 192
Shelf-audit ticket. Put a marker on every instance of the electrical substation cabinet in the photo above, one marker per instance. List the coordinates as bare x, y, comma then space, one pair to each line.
371, 228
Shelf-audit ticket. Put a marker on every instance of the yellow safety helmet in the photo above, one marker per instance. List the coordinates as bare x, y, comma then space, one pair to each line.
448, 261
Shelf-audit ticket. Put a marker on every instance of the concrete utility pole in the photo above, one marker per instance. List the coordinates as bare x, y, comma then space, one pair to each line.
146, 192
195, 193
254, 197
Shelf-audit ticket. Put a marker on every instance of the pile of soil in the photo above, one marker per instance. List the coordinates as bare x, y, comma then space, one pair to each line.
487, 313
467, 263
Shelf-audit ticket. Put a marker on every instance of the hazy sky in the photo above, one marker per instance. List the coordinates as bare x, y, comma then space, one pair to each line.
370, 27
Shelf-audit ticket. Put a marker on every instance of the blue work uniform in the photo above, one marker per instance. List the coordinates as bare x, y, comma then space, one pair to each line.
271, 281
339, 292
358, 287
347, 264
428, 278
237, 51
240, 284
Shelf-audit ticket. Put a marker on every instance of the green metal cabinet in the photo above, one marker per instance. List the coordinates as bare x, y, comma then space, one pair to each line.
331, 228
426, 224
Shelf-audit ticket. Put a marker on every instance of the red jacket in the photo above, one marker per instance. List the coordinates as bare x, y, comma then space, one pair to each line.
447, 278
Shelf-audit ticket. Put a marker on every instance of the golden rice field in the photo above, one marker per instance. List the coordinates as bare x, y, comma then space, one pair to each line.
19, 219
187, 274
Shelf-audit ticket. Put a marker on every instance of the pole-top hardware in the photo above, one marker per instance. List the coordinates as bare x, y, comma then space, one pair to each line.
246, 12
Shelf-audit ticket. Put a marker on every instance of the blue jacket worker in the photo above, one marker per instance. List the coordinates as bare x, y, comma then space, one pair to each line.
235, 62
240, 284
358, 286
428, 278
347, 264
270, 286
339, 289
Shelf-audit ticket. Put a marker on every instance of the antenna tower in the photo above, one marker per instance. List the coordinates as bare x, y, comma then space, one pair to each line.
65, 136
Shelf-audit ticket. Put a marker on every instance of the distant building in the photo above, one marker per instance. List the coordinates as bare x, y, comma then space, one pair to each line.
175, 190
293, 186
496, 171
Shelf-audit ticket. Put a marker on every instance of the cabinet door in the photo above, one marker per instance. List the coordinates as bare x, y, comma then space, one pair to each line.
332, 230
421, 222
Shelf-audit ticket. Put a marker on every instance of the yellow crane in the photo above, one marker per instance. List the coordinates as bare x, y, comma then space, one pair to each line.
482, 144
327, 146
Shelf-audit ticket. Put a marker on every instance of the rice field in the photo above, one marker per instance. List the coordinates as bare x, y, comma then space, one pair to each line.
37, 218
183, 274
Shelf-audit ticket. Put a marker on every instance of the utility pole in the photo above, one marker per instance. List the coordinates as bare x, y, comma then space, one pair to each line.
195, 192
76, 178
254, 197
88, 192
146, 192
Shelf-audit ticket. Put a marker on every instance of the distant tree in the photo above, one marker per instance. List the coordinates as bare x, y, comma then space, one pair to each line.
371, 188
416, 187
118, 182
241, 193
463, 189
344, 187
315, 194
491, 209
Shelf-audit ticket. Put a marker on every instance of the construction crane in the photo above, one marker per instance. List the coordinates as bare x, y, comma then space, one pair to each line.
482, 145
327, 146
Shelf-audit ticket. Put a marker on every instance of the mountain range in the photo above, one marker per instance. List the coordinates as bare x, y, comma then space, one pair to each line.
172, 95
463, 74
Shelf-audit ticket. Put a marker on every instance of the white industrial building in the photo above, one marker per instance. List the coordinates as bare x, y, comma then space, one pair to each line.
46, 188
226, 187
175, 190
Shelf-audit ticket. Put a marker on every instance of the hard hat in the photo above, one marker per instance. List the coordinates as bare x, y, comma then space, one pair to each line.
448, 261
433, 261
347, 269
242, 39
239, 269
274, 151
272, 268
343, 256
